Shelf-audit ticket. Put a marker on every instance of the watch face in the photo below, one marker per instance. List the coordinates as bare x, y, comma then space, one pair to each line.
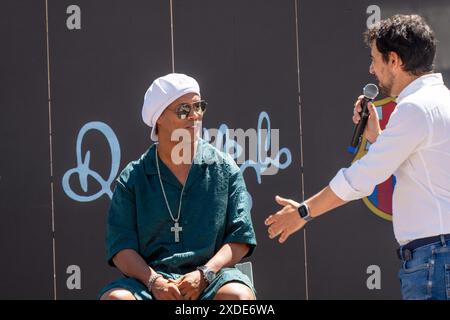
210, 275
302, 211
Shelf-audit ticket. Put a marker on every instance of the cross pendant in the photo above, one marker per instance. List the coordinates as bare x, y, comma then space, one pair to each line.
176, 228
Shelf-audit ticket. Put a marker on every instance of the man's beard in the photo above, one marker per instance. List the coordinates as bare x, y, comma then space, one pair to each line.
386, 88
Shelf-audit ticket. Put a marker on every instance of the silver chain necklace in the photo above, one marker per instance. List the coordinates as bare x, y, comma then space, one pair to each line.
176, 227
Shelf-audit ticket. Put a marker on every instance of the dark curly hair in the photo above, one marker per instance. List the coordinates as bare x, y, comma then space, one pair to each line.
410, 37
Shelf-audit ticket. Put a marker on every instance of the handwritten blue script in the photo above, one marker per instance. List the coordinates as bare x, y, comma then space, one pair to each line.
83, 169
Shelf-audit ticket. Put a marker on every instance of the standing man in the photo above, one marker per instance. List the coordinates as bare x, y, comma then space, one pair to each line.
415, 146
179, 219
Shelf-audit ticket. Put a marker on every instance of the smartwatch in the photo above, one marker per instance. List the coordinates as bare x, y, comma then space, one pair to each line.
207, 273
303, 211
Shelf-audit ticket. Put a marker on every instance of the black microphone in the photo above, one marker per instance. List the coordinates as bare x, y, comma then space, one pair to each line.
370, 91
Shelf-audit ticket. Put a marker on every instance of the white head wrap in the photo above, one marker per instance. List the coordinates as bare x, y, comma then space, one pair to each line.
161, 93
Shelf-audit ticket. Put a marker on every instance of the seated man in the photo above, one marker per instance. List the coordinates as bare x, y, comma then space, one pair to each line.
176, 228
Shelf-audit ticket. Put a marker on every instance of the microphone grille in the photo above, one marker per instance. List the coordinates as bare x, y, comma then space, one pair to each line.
370, 91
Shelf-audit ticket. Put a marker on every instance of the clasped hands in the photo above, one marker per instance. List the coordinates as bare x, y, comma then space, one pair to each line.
187, 287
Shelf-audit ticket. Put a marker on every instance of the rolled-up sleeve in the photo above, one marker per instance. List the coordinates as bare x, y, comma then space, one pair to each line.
121, 231
407, 130
239, 227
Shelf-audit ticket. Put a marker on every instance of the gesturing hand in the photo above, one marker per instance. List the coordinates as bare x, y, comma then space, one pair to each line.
286, 221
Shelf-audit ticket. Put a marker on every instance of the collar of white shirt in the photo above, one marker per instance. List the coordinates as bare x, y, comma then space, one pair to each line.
426, 80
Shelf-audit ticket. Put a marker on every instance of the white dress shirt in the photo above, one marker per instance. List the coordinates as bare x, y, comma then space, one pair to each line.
415, 147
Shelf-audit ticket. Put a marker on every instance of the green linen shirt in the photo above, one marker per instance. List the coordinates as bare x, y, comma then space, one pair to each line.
214, 211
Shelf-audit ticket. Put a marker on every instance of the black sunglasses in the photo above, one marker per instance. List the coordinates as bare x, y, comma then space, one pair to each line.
183, 110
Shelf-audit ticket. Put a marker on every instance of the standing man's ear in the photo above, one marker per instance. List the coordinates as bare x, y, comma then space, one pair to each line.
395, 59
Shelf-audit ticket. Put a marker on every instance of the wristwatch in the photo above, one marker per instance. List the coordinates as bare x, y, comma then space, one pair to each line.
303, 211
208, 274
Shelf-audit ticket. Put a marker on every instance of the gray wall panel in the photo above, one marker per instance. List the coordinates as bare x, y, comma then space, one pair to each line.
25, 206
333, 70
244, 55
99, 73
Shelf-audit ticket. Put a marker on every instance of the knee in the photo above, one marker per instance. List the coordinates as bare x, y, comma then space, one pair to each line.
246, 294
235, 291
117, 294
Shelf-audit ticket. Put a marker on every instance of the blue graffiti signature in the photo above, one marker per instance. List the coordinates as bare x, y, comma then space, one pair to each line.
83, 169
263, 165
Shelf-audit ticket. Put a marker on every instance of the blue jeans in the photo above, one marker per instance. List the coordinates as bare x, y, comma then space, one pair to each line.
427, 275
